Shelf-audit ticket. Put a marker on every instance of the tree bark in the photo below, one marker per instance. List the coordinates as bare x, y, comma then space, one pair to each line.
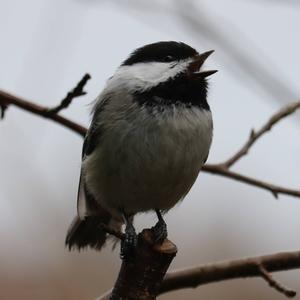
141, 277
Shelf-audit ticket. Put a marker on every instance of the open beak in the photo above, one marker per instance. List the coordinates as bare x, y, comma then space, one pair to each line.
196, 64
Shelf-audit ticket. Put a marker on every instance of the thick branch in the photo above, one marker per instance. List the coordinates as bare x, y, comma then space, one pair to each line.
141, 277
76, 92
255, 135
8, 99
242, 268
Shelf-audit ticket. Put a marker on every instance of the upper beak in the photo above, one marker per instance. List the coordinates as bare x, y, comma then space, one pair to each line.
197, 63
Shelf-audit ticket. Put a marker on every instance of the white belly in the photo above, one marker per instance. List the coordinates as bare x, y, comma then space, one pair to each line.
150, 162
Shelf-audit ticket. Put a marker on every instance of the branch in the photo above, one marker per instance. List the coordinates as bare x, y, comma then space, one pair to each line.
139, 280
242, 268
7, 99
141, 277
219, 169
275, 284
76, 92
255, 135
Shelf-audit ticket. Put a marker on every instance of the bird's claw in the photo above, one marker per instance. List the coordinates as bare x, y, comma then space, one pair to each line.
160, 231
128, 244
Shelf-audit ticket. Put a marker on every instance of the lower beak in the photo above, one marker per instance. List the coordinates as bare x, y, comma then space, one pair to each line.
196, 64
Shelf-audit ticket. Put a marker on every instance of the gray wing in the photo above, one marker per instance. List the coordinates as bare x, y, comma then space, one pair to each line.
86, 204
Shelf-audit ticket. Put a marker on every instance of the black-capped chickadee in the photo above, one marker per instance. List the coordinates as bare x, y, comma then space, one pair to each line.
150, 135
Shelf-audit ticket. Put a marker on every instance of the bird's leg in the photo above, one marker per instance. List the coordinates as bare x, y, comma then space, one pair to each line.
129, 242
160, 229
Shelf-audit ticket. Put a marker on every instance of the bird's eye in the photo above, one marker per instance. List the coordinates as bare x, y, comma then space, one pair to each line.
168, 58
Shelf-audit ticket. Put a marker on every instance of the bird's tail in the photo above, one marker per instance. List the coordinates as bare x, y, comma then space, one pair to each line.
88, 232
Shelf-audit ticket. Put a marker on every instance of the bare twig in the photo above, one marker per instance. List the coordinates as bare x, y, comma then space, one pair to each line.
219, 169
76, 92
7, 99
159, 257
242, 268
275, 284
255, 135
3, 108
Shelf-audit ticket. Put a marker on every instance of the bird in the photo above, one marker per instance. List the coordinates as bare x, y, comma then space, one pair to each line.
150, 135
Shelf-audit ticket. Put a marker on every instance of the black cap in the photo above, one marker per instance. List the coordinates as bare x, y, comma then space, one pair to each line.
166, 51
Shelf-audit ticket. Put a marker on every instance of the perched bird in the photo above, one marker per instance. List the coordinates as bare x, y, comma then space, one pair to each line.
150, 135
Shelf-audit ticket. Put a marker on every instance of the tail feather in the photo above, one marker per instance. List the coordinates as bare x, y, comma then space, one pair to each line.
86, 233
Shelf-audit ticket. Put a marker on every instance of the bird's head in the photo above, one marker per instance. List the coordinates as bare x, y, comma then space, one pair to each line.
154, 64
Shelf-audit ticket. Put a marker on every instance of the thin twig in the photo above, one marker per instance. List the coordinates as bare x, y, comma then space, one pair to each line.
220, 271
7, 99
3, 108
75, 92
219, 169
255, 135
275, 284
215, 272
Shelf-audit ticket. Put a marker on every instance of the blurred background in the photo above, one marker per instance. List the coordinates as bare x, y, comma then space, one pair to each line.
48, 45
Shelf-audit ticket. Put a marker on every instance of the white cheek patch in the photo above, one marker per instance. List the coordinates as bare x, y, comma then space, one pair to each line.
142, 76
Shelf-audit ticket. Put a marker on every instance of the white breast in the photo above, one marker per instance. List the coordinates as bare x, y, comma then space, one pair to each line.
147, 160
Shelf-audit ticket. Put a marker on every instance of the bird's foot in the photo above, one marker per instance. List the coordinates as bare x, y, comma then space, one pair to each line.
160, 231
129, 243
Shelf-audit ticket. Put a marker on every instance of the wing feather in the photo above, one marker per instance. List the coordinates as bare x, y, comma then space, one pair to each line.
85, 202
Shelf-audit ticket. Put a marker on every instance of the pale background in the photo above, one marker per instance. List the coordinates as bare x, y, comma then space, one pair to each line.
47, 46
